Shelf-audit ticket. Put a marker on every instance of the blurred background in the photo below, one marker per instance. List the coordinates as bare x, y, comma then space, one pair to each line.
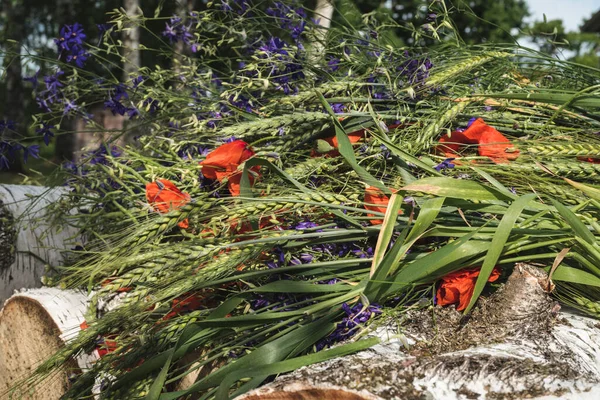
568, 30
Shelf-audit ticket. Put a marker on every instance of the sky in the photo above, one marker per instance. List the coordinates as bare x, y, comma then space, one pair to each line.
572, 12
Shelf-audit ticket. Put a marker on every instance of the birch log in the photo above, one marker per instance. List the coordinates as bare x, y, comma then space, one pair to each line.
27, 241
34, 324
515, 346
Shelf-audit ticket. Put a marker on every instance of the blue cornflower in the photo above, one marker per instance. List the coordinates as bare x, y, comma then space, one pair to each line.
46, 132
99, 155
69, 106
52, 82
338, 108
70, 35
8, 124
177, 30
447, 163
136, 81
33, 151
79, 55
333, 64
348, 327
71, 42
116, 107
290, 18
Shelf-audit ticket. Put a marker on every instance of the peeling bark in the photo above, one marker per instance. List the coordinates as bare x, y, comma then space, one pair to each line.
516, 345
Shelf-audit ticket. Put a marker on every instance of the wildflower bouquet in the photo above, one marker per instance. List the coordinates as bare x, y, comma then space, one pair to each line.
277, 198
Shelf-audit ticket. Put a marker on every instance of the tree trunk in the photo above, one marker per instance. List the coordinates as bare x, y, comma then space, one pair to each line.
27, 241
323, 14
131, 40
514, 346
13, 102
180, 51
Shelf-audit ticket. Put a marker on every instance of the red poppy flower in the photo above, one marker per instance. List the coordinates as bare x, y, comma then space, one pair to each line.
185, 304
223, 162
457, 287
333, 142
491, 143
378, 202
164, 196
108, 346
105, 346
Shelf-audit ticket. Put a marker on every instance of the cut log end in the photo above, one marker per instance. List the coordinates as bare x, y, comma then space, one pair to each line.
33, 326
28, 336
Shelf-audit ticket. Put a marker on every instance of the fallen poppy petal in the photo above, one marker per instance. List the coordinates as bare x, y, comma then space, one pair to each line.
378, 202
458, 287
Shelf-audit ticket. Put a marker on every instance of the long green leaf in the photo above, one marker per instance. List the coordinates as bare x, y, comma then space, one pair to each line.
292, 364
455, 188
428, 268
574, 222
269, 353
387, 230
565, 273
300, 287
502, 233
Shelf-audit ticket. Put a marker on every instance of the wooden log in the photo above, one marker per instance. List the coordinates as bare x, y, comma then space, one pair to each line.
34, 324
515, 346
27, 241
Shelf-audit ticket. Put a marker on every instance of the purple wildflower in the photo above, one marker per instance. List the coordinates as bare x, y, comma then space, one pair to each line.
177, 31
70, 43
152, 104
46, 132
446, 164
33, 151
355, 317
333, 64
69, 106
52, 82
136, 81
8, 124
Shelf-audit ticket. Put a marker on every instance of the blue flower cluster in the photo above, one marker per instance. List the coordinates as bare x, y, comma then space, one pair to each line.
9, 149
355, 317
284, 68
446, 164
114, 102
176, 29
292, 19
415, 69
70, 44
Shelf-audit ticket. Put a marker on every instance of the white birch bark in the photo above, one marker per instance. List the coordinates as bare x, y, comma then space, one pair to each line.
37, 243
516, 347
131, 40
323, 14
